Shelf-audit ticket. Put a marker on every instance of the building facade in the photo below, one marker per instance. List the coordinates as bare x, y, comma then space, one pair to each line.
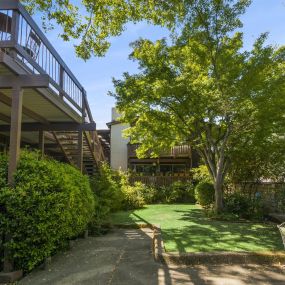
176, 162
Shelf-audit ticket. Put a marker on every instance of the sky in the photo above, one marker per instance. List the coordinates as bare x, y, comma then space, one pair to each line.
96, 74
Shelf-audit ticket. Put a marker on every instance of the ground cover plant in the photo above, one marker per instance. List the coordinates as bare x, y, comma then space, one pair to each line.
50, 203
186, 228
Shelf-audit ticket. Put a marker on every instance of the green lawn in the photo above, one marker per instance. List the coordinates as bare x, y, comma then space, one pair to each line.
186, 229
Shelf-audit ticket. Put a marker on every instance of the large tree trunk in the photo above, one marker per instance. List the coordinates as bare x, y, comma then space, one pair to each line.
217, 169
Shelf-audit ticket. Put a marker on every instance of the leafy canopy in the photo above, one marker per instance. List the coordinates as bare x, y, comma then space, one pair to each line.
91, 23
205, 89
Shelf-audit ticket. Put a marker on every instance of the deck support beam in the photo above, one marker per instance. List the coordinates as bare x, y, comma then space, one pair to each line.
25, 81
15, 131
50, 127
14, 153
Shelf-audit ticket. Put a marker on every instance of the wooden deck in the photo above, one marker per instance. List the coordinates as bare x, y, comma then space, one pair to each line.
42, 104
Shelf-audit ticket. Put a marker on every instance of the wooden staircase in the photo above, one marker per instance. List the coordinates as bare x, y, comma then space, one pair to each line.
69, 144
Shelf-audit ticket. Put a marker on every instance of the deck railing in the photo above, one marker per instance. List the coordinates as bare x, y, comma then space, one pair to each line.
21, 38
176, 151
159, 180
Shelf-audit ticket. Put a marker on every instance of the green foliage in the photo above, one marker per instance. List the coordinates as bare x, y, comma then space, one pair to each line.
132, 196
201, 173
107, 189
205, 194
92, 23
113, 192
177, 192
205, 89
238, 204
3, 171
261, 158
244, 207
149, 194
50, 203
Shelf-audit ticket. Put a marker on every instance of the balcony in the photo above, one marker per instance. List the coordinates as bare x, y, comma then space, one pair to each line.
183, 151
21, 39
42, 104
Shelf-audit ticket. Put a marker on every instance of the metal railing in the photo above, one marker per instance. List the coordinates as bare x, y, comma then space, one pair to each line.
21, 38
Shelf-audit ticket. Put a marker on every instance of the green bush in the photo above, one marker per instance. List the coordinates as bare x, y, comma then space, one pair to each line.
3, 171
189, 195
107, 189
50, 203
205, 194
237, 204
243, 207
183, 192
201, 174
177, 192
132, 196
149, 193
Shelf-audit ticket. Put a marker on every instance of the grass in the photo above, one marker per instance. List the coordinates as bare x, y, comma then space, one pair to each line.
185, 228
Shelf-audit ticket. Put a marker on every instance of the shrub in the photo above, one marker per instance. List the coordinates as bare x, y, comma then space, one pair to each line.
237, 204
107, 189
132, 196
242, 206
3, 171
50, 203
205, 194
177, 192
189, 195
167, 195
149, 193
200, 174
183, 192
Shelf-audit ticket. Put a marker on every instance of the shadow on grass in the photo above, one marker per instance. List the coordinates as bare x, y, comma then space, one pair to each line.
192, 231
203, 235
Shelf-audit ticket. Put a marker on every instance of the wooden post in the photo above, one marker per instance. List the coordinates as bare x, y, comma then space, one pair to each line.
42, 142
14, 31
15, 131
14, 152
80, 150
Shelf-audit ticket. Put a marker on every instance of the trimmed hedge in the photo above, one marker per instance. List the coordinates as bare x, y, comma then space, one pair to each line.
50, 203
205, 193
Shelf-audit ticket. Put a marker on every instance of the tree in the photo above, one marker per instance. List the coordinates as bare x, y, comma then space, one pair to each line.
259, 155
91, 23
205, 89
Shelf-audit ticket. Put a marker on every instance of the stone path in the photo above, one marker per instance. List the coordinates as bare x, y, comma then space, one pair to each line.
123, 257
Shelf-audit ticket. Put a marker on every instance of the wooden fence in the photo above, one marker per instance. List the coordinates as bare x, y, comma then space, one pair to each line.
272, 194
158, 180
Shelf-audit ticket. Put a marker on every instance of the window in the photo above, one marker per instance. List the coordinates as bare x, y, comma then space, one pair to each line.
146, 169
2, 148
172, 169
179, 168
166, 169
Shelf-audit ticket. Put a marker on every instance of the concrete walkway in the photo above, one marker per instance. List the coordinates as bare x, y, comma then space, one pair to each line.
123, 257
